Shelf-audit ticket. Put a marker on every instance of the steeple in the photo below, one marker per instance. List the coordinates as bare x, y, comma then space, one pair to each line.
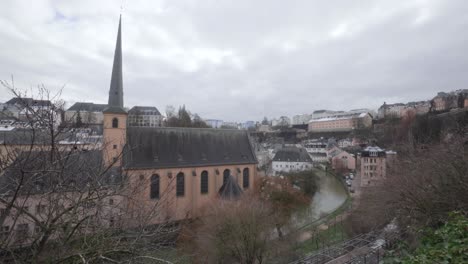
115, 103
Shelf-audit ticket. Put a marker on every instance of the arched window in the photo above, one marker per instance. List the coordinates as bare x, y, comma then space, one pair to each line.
115, 122
246, 179
204, 182
154, 192
180, 184
226, 175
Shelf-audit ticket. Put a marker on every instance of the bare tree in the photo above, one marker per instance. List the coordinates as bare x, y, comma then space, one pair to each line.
60, 201
239, 231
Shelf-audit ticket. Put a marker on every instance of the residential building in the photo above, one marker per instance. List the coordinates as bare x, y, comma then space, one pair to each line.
264, 128
446, 101
301, 119
214, 123
282, 121
34, 111
345, 143
373, 162
324, 113
144, 116
291, 159
248, 125
390, 110
419, 108
85, 113
317, 149
341, 122
342, 160
230, 125
9, 111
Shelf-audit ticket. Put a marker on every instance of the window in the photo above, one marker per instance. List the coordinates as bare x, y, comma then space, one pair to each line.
154, 192
22, 231
204, 182
111, 201
4, 232
38, 228
245, 181
180, 184
226, 175
115, 146
40, 209
115, 122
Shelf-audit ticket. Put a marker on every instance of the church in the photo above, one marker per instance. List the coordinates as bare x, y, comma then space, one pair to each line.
177, 170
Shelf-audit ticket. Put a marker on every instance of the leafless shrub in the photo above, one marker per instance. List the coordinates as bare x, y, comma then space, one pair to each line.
60, 202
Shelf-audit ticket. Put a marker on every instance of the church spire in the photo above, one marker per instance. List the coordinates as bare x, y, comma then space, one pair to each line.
115, 103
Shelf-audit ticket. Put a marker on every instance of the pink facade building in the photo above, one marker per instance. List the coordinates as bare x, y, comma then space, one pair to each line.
373, 164
341, 122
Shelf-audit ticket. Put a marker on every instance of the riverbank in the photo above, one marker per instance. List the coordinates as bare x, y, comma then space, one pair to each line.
327, 228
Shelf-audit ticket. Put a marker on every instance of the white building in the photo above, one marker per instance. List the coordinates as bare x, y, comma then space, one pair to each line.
290, 159
214, 123
315, 145
317, 149
283, 121
345, 143
144, 116
301, 119
89, 113
324, 113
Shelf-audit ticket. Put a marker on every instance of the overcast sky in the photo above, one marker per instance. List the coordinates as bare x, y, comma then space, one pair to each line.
239, 60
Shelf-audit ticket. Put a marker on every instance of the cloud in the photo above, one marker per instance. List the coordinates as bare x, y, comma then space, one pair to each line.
239, 60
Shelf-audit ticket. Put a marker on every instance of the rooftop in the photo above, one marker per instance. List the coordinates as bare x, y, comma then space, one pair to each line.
151, 147
88, 107
137, 109
292, 154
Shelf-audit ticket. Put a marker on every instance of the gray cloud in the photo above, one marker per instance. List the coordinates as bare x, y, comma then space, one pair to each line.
240, 60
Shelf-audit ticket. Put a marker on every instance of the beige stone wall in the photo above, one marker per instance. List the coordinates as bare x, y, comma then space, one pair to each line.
86, 117
373, 170
340, 124
332, 125
171, 207
114, 138
344, 160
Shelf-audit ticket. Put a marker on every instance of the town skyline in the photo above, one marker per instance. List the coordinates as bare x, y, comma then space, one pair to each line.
169, 62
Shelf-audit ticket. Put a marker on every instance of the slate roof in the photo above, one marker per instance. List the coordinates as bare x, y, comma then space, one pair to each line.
230, 190
88, 107
27, 137
42, 137
116, 87
151, 147
28, 101
292, 154
318, 154
366, 152
73, 170
136, 109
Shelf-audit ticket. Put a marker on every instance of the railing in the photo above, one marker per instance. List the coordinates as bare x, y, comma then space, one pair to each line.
364, 248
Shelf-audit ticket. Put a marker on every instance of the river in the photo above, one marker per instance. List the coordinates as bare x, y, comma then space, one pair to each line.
329, 196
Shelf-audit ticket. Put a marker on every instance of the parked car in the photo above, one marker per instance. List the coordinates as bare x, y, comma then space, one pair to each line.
351, 176
348, 182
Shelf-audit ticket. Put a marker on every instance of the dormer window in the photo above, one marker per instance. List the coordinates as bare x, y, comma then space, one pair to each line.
115, 122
